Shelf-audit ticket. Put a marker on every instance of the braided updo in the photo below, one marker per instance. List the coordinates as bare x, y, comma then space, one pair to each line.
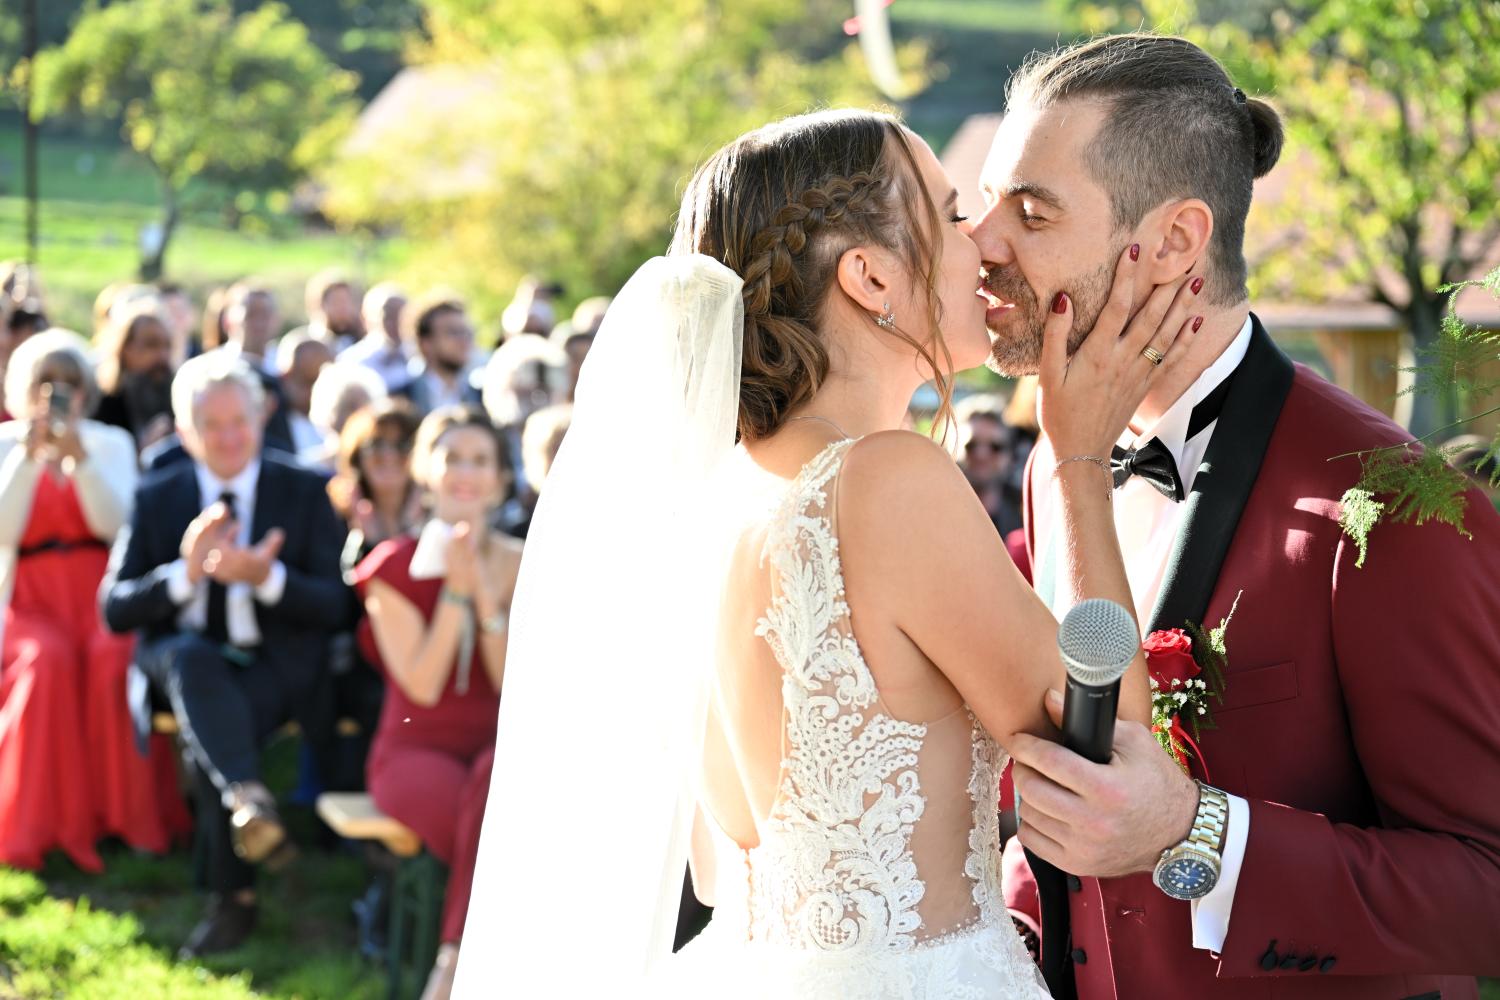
780, 206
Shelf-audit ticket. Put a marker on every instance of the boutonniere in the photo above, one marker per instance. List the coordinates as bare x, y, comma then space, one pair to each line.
1186, 667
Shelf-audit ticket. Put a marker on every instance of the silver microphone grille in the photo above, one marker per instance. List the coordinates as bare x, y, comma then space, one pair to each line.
1097, 639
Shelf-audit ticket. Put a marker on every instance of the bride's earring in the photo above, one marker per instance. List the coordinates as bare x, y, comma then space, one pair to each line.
887, 319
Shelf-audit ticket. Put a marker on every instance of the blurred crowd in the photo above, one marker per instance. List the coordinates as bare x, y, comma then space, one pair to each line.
208, 517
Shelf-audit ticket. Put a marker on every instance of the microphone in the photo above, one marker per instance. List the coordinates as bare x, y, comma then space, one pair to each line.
1098, 640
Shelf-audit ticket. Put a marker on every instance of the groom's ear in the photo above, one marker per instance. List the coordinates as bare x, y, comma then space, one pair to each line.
1186, 227
865, 276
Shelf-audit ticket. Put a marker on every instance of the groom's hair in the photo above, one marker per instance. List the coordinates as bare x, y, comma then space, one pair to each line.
1175, 127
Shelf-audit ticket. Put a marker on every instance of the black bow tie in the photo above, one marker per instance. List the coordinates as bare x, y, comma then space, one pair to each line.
1151, 462
1154, 463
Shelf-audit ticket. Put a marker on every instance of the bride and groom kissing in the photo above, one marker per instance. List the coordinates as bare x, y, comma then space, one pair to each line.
808, 658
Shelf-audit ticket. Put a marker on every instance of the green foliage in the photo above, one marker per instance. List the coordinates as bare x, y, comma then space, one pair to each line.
243, 101
587, 118
1417, 484
1211, 650
1359, 512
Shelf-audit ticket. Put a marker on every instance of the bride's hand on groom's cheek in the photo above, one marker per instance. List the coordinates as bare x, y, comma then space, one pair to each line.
1087, 399
1101, 820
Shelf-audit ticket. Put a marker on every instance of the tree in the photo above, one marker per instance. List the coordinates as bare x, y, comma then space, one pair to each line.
1394, 104
243, 102
578, 124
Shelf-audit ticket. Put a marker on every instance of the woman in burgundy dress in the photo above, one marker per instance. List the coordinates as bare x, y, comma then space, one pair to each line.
69, 770
436, 624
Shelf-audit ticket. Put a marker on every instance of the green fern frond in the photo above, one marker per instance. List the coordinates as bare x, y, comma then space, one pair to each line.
1359, 512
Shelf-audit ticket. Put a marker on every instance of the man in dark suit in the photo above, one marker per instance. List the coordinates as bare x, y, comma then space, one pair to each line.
440, 373
229, 573
1346, 845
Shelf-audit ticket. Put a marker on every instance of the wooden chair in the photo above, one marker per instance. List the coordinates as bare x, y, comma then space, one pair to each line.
416, 891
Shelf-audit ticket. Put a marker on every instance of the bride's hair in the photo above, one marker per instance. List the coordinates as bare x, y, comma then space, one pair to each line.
780, 206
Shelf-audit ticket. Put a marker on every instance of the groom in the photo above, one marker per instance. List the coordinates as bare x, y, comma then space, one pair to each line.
1354, 851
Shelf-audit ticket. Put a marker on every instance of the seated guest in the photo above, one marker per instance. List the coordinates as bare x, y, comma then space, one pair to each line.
524, 375
230, 574
439, 326
373, 489
341, 390
69, 772
576, 337
135, 374
436, 623
332, 311
299, 360
985, 455
382, 350
250, 320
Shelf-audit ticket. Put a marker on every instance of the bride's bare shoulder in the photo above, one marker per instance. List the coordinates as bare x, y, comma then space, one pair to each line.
893, 476
892, 457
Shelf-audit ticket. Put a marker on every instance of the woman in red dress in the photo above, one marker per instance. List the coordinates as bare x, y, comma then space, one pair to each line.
436, 623
69, 770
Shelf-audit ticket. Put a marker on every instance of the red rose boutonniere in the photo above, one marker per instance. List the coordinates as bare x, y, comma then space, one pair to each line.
1186, 667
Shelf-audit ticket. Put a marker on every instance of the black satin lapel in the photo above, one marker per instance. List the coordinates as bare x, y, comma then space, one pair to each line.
1224, 481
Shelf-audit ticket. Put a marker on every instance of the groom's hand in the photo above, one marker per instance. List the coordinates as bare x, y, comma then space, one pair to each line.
1101, 820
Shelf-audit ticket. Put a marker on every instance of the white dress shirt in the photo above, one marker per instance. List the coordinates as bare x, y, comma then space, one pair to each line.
239, 598
1146, 523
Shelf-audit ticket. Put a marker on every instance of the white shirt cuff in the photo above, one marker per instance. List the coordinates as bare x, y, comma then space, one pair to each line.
273, 586
1211, 913
179, 588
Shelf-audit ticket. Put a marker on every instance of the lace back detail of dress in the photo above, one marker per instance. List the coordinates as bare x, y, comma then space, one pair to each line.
879, 839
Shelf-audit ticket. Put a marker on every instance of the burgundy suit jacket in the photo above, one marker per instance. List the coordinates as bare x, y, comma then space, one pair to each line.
1360, 719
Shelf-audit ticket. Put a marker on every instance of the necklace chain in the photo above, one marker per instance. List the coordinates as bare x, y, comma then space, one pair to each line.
825, 420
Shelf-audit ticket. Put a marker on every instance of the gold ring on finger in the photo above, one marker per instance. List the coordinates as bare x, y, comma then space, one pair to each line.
1152, 355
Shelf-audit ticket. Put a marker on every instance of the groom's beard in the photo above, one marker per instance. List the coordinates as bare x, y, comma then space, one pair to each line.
1016, 345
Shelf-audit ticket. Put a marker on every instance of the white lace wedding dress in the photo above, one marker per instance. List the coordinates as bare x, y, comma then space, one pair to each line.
877, 872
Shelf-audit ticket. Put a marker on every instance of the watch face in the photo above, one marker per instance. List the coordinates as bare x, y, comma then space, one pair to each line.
1187, 876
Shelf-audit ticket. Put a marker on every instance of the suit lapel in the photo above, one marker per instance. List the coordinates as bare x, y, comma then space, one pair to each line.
265, 490
1223, 483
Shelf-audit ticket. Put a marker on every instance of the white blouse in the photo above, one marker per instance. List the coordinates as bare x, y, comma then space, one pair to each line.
105, 481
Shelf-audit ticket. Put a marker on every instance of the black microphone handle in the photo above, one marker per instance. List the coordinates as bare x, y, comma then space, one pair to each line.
1088, 726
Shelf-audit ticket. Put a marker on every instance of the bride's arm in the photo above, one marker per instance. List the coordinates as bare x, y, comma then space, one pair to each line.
923, 550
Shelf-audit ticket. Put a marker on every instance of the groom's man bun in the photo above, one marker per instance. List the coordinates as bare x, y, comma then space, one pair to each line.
1176, 127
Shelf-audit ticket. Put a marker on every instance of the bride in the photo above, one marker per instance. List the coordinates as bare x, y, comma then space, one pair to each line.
762, 629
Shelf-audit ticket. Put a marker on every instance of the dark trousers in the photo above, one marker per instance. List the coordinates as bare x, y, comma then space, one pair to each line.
226, 710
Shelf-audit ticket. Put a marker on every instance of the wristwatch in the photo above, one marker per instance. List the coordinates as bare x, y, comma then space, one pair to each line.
1191, 869
495, 623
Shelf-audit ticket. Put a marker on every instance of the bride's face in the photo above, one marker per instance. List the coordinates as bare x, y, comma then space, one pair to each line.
960, 305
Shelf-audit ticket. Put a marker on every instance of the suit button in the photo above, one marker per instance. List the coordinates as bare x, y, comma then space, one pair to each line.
1075, 884
1080, 957
1289, 963
1308, 963
1269, 960
1328, 964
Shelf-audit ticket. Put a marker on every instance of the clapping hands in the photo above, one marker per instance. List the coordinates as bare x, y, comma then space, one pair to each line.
209, 548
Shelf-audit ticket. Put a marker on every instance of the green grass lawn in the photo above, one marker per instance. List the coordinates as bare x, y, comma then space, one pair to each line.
95, 198
68, 934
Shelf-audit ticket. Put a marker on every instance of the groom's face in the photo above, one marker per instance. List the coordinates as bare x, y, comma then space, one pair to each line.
1047, 228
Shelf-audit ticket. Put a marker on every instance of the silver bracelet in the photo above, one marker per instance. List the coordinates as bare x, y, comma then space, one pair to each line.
1103, 463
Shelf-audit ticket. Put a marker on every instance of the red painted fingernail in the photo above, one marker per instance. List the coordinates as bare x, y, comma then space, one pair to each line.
1197, 285
1197, 322
1060, 304
1135, 251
